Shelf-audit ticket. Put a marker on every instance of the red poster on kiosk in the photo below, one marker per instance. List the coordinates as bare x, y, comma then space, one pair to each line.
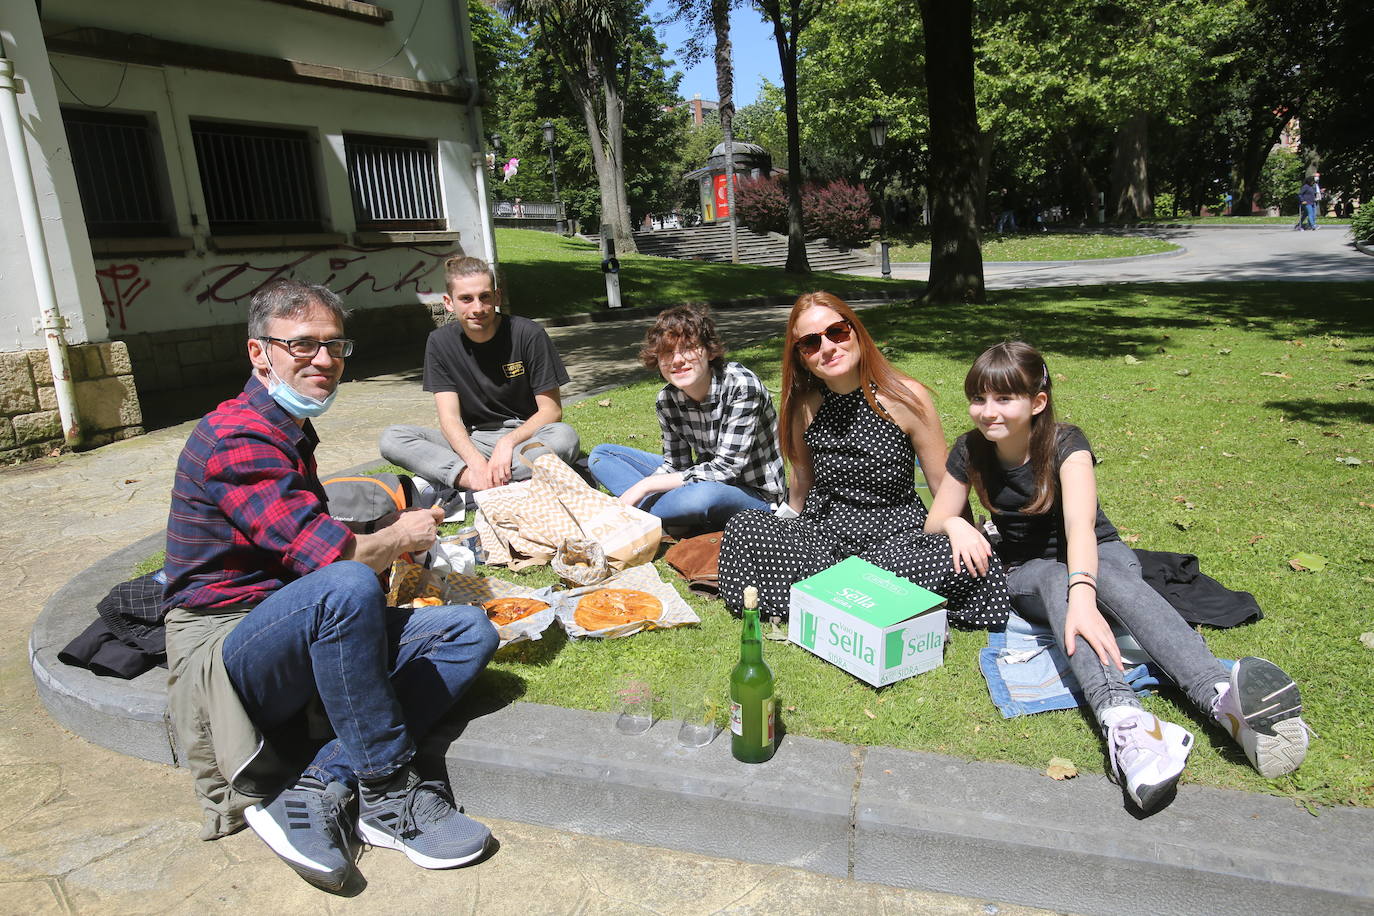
722, 197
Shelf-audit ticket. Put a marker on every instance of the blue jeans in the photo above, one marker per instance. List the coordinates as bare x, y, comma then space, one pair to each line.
1039, 592
704, 504
384, 675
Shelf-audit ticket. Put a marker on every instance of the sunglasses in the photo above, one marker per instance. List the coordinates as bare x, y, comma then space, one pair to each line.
838, 332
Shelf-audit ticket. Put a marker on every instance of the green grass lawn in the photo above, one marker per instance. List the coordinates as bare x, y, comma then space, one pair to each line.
1044, 246
1228, 419
545, 275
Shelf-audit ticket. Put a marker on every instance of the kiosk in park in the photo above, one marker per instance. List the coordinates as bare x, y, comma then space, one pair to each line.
750, 161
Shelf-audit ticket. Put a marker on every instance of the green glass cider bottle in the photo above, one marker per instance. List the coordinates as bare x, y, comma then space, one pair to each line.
751, 692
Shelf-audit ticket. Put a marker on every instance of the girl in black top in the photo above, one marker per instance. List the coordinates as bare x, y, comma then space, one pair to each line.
1066, 567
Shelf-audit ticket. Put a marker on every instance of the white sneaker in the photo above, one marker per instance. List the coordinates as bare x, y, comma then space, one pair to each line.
1262, 710
1148, 756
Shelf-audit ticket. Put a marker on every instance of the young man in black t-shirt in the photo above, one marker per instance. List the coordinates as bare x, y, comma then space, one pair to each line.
495, 380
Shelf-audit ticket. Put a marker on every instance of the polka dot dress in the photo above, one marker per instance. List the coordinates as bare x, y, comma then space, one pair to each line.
862, 503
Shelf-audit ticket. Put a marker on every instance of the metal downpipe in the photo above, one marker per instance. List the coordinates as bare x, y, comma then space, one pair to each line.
51, 321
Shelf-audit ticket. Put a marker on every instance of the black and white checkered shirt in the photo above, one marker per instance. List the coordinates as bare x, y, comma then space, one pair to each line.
731, 436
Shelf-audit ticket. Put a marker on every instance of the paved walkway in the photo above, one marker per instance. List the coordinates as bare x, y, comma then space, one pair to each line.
85, 830
1259, 253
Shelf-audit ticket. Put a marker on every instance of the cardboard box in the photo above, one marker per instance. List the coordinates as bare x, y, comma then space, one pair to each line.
876, 625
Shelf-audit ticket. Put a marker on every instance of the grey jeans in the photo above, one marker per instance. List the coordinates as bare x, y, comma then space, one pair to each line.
1039, 593
426, 452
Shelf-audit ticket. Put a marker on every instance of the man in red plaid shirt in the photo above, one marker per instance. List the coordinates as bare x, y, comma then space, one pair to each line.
275, 611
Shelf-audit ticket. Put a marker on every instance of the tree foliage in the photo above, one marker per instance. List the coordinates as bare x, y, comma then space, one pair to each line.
651, 135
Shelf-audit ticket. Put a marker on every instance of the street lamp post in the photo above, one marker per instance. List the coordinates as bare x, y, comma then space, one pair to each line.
877, 133
553, 174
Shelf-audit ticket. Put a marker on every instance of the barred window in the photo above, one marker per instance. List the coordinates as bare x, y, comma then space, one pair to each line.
118, 176
256, 179
395, 183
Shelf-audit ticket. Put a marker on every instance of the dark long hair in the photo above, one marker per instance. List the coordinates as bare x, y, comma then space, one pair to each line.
1014, 368
875, 372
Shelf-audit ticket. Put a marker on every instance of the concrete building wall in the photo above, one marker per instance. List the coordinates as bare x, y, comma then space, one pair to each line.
178, 298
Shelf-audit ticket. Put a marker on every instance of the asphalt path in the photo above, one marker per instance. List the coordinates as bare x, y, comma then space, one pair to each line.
1207, 255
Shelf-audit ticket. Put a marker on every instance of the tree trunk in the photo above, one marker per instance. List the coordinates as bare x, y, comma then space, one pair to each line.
985, 144
621, 229
725, 90
956, 261
1261, 133
1087, 187
1130, 178
797, 262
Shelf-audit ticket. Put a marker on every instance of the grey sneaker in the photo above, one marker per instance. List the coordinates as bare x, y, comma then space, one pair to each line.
305, 826
1262, 710
420, 819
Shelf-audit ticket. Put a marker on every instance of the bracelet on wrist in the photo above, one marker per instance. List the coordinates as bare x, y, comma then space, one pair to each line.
1082, 582
1091, 577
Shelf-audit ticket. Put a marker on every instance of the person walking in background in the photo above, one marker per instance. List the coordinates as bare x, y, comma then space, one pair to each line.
1307, 206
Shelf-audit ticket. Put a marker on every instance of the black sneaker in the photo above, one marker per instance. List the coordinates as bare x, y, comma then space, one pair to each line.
420, 819
305, 826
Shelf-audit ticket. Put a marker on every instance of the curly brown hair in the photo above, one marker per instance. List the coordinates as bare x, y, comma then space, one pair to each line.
685, 324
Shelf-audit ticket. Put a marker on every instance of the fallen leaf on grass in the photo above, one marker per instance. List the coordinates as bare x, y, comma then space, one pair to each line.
1365, 505
1224, 351
1130, 538
604, 403
1061, 769
1228, 455
869, 713
1332, 434
1367, 639
1350, 460
1257, 538
1183, 372
1130, 360
1183, 525
1308, 562
1276, 374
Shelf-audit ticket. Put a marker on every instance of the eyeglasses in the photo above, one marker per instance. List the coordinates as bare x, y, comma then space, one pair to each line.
838, 332
307, 347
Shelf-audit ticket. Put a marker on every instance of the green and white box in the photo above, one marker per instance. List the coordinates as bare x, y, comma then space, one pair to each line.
877, 626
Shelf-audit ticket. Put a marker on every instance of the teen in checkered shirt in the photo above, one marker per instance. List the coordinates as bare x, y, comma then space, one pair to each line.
720, 445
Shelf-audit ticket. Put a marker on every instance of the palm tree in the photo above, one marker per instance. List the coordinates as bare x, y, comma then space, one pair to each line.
586, 38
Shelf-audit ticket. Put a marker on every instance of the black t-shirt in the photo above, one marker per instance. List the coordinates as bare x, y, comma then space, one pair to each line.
1025, 536
495, 381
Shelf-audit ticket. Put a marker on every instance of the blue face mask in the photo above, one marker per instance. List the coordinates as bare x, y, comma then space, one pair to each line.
298, 405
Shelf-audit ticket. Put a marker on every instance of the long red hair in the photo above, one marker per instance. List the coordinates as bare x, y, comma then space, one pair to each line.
876, 374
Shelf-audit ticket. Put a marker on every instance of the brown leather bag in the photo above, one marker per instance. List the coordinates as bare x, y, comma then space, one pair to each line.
697, 559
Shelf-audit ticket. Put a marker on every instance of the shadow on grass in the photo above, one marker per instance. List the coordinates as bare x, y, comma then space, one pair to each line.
1324, 414
1119, 320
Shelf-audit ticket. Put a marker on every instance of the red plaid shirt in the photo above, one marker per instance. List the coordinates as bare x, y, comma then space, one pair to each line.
248, 510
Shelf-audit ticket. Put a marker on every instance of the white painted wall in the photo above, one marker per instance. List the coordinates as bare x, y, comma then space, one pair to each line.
69, 251
125, 295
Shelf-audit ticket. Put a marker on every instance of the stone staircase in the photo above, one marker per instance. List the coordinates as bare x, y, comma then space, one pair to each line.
712, 243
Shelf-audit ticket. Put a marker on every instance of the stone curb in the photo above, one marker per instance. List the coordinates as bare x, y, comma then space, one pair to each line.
904, 818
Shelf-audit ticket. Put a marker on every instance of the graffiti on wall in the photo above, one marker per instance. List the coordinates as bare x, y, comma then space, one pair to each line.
120, 285
344, 270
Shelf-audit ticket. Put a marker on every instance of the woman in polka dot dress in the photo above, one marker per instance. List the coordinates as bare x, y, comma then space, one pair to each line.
852, 427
